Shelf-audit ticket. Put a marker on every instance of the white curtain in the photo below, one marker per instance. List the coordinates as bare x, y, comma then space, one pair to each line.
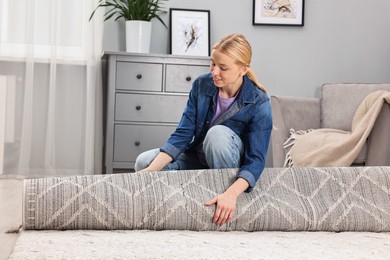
50, 76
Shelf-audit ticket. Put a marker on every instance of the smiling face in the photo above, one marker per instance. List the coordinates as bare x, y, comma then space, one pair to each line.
227, 74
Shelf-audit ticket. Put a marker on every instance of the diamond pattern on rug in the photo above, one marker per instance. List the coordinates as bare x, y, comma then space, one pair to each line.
284, 199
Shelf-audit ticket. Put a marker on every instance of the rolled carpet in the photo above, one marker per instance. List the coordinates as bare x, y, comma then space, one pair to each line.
284, 199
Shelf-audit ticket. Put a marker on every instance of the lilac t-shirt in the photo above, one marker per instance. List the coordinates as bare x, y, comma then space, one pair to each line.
223, 105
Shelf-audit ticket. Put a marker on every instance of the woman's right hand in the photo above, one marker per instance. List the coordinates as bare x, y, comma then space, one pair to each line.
161, 160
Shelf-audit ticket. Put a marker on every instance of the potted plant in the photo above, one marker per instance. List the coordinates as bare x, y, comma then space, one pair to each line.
138, 15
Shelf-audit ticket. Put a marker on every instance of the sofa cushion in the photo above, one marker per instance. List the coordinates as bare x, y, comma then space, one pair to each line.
362, 156
340, 101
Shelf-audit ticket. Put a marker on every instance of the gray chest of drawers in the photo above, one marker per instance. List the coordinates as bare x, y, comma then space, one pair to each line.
144, 98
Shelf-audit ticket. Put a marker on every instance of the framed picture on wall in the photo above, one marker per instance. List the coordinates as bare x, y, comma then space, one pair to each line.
278, 12
189, 32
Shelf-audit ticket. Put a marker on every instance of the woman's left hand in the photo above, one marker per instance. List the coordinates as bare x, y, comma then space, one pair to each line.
225, 206
226, 202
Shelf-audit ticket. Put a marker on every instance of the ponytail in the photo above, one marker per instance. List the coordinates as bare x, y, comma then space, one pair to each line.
237, 47
252, 77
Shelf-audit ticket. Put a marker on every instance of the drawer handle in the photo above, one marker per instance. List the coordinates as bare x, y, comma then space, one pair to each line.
138, 107
139, 76
188, 78
137, 143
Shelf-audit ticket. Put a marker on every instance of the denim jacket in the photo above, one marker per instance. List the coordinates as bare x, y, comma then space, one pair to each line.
249, 117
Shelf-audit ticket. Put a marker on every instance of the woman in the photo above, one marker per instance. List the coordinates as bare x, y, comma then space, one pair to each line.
226, 124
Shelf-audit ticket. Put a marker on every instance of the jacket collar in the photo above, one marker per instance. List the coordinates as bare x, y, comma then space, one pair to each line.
246, 95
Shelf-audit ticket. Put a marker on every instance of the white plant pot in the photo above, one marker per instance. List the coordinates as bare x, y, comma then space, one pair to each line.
138, 34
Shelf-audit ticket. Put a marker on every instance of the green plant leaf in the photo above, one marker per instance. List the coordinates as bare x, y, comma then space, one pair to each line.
144, 10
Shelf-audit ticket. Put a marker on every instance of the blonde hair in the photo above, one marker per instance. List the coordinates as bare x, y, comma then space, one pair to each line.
237, 47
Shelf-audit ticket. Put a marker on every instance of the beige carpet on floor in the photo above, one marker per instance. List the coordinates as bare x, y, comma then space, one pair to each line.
171, 244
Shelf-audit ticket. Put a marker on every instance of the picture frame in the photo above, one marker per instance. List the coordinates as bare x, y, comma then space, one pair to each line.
278, 12
189, 32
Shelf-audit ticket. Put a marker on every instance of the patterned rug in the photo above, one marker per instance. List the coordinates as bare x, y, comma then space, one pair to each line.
285, 199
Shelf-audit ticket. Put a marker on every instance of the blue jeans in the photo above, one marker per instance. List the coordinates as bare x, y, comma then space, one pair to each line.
222, 148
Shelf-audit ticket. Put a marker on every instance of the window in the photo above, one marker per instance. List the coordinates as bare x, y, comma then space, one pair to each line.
43, 28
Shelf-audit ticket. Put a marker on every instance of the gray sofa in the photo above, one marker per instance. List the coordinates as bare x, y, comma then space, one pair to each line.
334, 109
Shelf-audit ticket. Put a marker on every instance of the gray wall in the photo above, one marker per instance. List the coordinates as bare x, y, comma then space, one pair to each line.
342, 41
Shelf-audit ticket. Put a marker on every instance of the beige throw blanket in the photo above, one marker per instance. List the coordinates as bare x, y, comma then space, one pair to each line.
331, 147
